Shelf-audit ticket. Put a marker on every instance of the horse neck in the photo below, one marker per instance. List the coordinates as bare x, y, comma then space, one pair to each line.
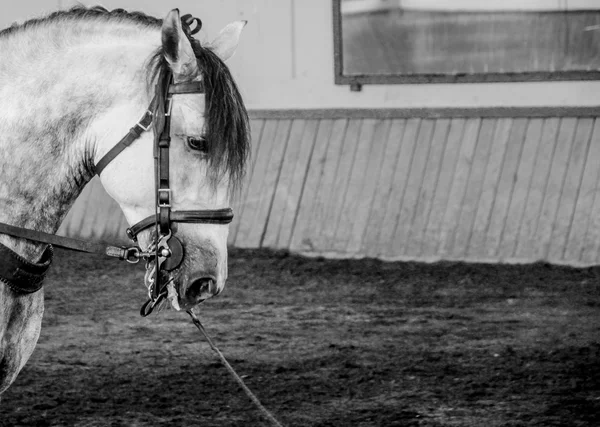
51, 99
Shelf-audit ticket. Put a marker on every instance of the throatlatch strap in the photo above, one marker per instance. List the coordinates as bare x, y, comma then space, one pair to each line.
23, 276
133, 134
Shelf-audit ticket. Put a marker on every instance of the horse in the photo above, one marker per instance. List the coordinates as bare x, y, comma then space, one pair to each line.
71, 85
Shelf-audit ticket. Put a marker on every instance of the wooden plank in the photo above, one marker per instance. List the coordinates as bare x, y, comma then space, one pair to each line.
94, 212
489, 191
325, 204
518, 199
298, 182
535, 197
570, 190
258, 201
554, 187
335, 203
400, 179
427, 113
281, 190
364, 205
582, 227
383, 189
350, 210
272, 175
430, 240
112, 224
504, 192
413, 187
311, 210
591, 247
95, 215
428, 186
239, 200
474, 188
458, 188
291, 181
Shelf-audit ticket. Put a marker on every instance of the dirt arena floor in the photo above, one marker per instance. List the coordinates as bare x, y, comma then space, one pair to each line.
322, 343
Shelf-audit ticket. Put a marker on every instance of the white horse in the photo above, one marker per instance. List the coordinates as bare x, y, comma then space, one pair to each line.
71, 85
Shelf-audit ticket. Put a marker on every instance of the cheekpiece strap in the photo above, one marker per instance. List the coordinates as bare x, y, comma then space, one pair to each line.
163, 142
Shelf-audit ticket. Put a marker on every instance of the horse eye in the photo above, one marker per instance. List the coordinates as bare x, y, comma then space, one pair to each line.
198, 144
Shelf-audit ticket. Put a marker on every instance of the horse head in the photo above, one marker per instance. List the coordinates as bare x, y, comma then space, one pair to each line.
209, 139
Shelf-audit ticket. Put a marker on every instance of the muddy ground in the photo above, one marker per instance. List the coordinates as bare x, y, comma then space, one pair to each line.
322, 343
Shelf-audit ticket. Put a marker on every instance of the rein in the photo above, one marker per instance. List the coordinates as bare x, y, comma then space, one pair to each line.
264, 411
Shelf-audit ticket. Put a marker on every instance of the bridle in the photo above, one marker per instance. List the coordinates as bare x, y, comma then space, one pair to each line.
165, 249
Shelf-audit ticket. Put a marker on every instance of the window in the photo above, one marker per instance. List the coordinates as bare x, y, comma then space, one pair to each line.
425, 41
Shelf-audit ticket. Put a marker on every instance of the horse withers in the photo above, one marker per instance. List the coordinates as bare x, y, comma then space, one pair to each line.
72, 84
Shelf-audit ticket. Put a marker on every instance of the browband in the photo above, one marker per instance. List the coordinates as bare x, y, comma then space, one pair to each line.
188, 87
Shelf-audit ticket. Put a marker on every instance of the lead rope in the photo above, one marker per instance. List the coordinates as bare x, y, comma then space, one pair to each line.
268, 415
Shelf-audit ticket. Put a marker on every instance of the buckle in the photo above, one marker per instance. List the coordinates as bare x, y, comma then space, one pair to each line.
167, 203
130, 234
146, 121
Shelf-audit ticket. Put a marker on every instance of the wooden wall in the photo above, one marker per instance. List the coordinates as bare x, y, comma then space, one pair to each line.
488, 185
506, 185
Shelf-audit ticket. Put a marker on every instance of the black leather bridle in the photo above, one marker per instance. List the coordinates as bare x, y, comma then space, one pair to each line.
165, 250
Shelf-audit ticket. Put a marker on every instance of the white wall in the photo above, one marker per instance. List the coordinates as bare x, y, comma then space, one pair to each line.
285, 60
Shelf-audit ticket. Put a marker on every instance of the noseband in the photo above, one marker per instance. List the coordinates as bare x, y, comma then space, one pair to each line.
166, 250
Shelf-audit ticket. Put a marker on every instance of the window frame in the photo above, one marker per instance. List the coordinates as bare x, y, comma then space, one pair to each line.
355, 81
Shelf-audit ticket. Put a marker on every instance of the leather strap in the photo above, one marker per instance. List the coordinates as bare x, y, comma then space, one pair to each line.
23, 276
53, 239
131, 254
163, 143
133, 134
213, 216
189, 87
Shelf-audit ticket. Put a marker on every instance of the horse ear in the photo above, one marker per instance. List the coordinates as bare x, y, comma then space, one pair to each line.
177, 48
226, 42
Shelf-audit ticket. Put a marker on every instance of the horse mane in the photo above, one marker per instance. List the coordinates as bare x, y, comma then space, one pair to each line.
227, 129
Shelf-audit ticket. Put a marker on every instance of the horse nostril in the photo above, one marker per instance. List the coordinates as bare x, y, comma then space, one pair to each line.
201, 289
